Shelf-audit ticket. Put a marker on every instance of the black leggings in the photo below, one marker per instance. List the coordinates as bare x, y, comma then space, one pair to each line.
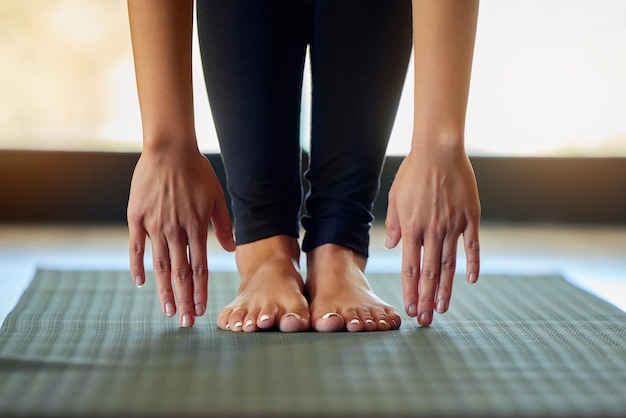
253, 54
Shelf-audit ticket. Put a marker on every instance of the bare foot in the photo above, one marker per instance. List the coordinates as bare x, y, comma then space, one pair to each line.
341, 297
271, 291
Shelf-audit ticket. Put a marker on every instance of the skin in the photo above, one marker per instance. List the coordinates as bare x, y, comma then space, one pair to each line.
175, 195
434, 198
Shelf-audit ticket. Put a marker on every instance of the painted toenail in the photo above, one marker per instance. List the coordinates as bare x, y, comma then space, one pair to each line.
295, 315
355, 321
329, 314
238, 324
249, 323
265, 318
369, 321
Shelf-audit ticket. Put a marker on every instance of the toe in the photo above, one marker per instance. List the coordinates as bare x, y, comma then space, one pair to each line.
394, 318
293, 322
267, 317
330, 321
235, 322
353, 321
250, 321
223, 317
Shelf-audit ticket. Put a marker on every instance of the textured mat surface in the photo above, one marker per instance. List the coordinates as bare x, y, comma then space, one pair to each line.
90, 343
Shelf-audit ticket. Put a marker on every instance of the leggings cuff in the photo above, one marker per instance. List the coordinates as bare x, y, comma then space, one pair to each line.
350, 235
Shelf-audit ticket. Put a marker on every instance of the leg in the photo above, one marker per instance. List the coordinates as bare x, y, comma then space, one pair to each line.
253, 58
359, 56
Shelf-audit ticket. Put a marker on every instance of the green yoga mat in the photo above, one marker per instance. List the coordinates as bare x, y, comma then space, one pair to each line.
91, 344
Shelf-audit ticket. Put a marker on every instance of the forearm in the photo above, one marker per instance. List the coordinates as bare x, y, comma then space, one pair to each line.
444, 33
161, 33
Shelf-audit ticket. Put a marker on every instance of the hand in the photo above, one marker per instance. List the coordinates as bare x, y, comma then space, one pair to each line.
173, 198
433, 200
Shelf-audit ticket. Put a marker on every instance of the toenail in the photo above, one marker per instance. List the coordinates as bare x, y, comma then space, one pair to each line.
369, 321
382, 321
265, 318
329, 314
393, 323
238, 324
227, 326
249, 323
295, 315
355, 321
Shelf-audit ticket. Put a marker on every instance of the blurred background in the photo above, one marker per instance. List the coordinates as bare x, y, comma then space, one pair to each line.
549, 80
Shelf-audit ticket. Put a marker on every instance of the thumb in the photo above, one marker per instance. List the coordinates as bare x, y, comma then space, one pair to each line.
222, 225
392, 227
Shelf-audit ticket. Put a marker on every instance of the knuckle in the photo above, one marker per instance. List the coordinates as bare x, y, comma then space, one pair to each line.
410, 271
200, 271
162, 265
434, 235
175, 233
165, 292
197, 232
181, 275
136, 249
448, 264
473, 245
429, 275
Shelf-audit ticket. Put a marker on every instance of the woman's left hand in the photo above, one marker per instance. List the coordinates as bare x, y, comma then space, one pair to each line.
433, 200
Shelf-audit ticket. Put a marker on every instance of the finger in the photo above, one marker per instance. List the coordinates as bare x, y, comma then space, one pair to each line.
392, 227
136, 250
163, 274
429, 279
472, 251
181, 276
222, 225
199, 268
448, 267
411, 256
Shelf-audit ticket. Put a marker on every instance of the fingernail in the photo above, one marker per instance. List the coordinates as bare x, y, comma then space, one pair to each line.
139, 281
412, 310
249, 323
295, 315
472, 278
187, 321
238, 324
388, 243
265, 318
355, 321
329, 314
424, 318
170, 310
442, 306
199, 309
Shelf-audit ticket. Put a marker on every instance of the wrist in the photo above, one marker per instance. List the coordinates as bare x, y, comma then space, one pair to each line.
441, 142
170, 143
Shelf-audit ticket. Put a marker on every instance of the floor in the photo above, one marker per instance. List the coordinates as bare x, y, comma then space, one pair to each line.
592, 257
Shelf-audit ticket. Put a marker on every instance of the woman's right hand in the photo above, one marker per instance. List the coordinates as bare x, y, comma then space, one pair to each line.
174, 195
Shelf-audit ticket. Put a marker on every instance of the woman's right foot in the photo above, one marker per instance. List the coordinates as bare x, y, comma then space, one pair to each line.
271, 291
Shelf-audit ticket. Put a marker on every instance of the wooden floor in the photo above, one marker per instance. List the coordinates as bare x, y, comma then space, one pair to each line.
592, 257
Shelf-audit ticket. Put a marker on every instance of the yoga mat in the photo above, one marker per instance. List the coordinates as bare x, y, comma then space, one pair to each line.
89, 343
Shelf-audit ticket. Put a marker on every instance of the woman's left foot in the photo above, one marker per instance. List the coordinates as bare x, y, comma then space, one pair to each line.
341, 298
